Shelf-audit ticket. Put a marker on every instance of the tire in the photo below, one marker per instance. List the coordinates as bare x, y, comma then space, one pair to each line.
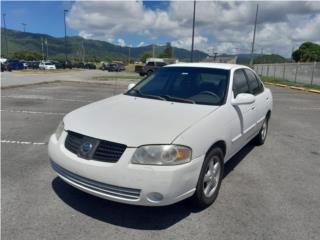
205, 195
149, 73
262, 135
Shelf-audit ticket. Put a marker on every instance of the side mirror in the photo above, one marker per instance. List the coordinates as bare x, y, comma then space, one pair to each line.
242, 99
131, 85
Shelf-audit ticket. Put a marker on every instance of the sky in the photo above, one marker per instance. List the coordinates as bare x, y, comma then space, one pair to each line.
221, 26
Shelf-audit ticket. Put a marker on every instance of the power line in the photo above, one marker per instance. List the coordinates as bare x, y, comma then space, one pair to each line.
193, 22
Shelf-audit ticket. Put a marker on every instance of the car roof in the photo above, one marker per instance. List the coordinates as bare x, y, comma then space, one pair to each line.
226, 66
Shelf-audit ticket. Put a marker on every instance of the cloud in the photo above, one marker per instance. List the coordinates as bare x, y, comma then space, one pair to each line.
121, 42
140, 44
225, 26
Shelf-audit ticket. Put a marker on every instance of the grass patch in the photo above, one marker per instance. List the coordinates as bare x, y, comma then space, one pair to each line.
119, 77
286, 82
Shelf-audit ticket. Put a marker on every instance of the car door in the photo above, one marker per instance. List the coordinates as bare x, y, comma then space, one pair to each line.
260, 105
244, 122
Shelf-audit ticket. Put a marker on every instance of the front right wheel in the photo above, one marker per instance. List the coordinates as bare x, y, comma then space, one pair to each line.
262, 135
210, 179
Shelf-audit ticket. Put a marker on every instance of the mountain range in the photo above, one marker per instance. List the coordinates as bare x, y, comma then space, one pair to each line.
79, 49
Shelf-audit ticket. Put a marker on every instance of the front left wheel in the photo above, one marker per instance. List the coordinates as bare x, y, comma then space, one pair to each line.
210, 179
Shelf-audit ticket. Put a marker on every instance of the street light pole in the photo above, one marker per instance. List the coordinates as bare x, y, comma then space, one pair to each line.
193, 22
65, 35
5, 33
254, 36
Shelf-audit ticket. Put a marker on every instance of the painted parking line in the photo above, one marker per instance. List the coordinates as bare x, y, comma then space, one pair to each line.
32, 112
44, 98
306, 108
22, 142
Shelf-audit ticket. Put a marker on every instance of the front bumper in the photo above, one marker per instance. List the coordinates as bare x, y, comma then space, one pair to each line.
122, 181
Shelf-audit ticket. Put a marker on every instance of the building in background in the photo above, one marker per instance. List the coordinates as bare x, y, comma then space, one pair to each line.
221, 59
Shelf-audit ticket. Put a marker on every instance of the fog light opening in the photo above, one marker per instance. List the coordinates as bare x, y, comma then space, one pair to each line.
154, 197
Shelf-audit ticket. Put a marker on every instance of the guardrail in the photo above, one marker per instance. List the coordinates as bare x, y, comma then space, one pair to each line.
303, 73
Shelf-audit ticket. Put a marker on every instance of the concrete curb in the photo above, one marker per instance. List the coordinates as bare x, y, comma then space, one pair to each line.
294, 87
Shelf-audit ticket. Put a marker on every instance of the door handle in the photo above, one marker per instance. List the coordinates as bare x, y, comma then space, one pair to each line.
253, 107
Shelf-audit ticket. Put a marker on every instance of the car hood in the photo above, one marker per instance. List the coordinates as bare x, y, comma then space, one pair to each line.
135, 121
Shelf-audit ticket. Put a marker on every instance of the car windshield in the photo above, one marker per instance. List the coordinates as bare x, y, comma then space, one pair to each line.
185, 84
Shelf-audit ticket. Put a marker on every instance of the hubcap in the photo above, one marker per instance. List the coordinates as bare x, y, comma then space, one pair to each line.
264, 130
211, 177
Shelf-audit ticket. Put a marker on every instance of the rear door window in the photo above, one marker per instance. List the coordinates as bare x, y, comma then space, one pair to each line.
255, 85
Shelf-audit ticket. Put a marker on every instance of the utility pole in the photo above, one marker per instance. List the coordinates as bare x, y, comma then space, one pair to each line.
193, 22
5, 33
24, 26
83, 52
42, 49
254, 36
65, 35
129, 54
47, 49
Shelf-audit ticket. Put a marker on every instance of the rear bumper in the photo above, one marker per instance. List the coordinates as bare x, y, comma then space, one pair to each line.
125, 182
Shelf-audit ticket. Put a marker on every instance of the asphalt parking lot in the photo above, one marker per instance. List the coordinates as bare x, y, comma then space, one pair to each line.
268, 192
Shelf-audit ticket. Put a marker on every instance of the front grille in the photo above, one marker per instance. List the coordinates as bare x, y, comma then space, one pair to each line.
103, 188
102, 150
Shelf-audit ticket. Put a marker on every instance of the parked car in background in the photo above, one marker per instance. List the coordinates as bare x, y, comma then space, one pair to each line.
58, 64
114, 67
150, 67
167, 138
47, 66
34, 64
15, 64
5, 67
67, 64
25, 64
78, 65
90, 66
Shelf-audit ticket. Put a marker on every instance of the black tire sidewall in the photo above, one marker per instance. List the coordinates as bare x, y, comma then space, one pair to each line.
259, 139
200, 199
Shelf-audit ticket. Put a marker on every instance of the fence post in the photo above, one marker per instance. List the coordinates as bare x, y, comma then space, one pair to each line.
274, 71
284, 71
296, 73
312, 73
268, 70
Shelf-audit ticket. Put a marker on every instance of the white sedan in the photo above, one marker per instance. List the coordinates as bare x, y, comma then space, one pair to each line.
47, 66
167, 138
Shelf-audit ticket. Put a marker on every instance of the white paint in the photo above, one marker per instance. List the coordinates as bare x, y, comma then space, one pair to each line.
32, 112
43, 98
22, 142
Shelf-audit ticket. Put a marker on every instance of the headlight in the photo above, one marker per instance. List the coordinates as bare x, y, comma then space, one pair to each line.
59, 130
162, 155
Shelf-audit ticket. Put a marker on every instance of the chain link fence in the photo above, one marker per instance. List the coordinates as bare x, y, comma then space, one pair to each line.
303, 73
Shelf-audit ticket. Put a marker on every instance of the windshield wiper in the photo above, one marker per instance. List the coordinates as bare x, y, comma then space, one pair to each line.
148, 95
183, 100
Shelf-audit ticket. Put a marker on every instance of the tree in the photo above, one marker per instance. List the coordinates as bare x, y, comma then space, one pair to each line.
144, 56
167, 52
27, 55
307, 52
